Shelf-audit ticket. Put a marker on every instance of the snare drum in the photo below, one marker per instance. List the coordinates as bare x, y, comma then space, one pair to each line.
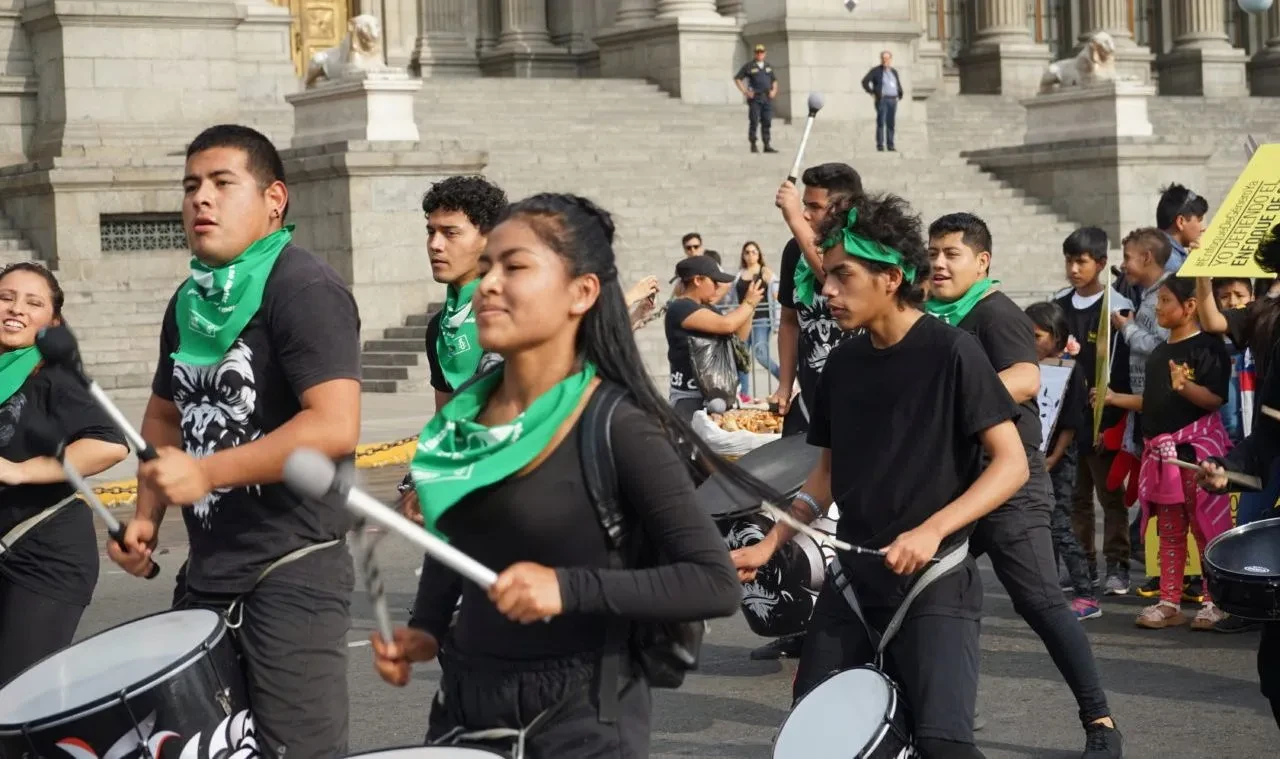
780, 600
854, 714
166, 685
1242, 570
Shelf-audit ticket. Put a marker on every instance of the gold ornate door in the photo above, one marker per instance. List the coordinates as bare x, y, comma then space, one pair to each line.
317, 25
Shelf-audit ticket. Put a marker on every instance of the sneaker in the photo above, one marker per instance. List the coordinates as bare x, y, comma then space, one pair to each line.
1208, 616
1193, 590
1234, 624
1150, 588
769, 148
754, 149
1085, 608
782, 648
1102, 742
1117, 585
743, 398
1161, 615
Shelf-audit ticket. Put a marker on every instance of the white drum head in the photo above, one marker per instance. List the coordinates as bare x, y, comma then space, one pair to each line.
429, 752
835, 720
105, 664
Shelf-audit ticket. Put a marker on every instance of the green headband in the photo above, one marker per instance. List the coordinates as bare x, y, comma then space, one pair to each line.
868, 249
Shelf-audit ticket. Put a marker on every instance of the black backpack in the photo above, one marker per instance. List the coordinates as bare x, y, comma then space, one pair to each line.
664, 652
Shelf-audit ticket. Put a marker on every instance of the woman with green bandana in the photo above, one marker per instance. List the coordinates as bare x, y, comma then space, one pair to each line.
1017, 536
498, 473
48, 544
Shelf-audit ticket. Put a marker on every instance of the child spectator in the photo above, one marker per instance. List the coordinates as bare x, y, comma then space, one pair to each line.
1230, 294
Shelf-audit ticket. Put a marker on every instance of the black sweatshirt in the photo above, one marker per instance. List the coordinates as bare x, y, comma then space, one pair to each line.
546, 517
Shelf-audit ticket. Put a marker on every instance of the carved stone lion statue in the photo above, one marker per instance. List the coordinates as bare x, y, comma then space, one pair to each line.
1094, 64
360, 50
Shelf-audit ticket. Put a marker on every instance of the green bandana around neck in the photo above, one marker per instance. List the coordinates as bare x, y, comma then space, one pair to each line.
954, 312
457, 455
458, 343
15, 367
217, 302
855, 245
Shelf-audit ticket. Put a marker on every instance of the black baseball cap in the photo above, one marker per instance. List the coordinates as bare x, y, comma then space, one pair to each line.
695, 266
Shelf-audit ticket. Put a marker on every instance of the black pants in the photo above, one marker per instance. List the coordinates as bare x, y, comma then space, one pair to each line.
479, 695
934, 660
759, 111
293, 640
1269, 665
32, 626
1016, 536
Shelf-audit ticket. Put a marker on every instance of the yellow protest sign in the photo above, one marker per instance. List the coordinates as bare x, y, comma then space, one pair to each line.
1243, 222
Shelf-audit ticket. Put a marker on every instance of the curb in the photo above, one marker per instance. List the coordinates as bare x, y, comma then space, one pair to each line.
368, 456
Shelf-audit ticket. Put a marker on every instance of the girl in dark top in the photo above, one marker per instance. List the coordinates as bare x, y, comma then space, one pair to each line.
751, 267
499, 474
48, 573
1186, 381
691, 315
1051, 340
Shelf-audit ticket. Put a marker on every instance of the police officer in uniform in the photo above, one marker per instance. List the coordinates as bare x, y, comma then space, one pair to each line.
760, 89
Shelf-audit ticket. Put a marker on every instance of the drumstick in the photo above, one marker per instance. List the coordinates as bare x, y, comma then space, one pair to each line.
1244, 480
1268, 411
43, 435
824, 539
373, 580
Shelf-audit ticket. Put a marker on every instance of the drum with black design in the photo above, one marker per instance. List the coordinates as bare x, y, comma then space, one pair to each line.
1242, 570
780, 599
783, 465
429, 752
855, 714
166, 686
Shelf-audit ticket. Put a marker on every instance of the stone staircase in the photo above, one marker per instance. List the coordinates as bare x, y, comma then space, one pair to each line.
663, 167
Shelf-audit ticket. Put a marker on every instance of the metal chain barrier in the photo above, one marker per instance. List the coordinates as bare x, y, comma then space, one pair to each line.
368, 456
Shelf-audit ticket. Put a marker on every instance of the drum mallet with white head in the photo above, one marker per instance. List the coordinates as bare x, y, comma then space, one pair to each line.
48, 440
815, 105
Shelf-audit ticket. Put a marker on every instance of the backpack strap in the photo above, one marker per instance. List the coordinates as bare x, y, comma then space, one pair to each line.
600, 475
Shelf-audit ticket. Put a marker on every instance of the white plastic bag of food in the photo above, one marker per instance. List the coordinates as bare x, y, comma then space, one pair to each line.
728, 443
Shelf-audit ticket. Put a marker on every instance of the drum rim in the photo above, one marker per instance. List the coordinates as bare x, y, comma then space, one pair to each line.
9, 729
878, 737
380, 751
1243, 529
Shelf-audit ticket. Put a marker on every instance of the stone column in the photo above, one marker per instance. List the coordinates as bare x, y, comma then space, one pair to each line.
1133, 61
1264, 69
929, 55
632, 12
1202, 61
524, 44
487, 21
687, 9
1003, 58
442, 48
731, 8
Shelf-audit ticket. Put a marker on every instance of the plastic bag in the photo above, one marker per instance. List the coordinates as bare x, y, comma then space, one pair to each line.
728, 443
714, 368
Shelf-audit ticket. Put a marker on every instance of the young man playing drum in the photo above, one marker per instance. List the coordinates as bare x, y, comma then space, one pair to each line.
259, 354
904, 414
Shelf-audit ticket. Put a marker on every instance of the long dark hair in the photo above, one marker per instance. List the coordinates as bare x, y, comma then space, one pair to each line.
582, 233
1050, 317
57, 298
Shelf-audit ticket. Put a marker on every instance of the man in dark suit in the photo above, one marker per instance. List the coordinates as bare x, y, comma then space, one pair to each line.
883, 83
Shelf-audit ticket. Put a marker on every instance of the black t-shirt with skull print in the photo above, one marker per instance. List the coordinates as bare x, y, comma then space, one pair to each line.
59, 558
306, 332
819, 333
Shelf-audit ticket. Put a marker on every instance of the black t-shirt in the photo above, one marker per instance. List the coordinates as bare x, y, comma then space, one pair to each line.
1008, 337
903, 425
1163, 410
546, 517
819, 333
1082, 323
740, 287
438, 380
680, 362
59, 558
306, 332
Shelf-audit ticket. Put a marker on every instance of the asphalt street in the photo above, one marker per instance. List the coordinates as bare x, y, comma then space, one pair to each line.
1174, 693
